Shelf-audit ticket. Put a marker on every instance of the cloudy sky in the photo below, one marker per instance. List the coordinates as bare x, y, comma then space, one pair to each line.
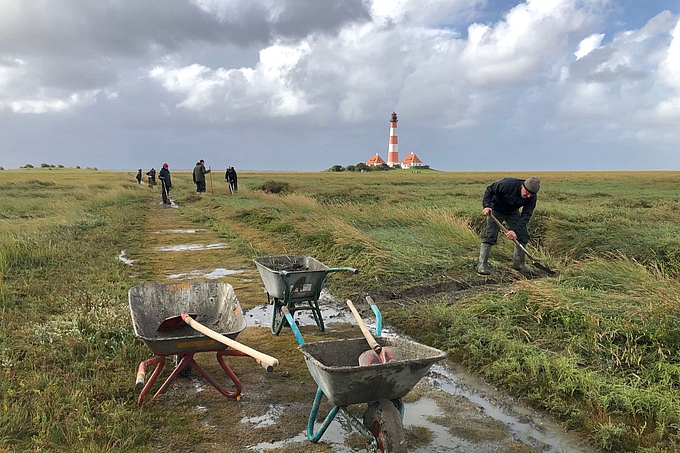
307, 84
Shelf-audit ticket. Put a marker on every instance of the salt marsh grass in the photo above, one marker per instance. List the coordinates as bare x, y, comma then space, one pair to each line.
598, 345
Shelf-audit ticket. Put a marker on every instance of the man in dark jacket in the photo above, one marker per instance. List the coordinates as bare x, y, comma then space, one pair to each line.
199, 176
166, 183
152, 176
504, 199
232, 179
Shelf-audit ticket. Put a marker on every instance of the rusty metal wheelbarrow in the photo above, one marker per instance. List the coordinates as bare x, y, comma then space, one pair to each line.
212, 303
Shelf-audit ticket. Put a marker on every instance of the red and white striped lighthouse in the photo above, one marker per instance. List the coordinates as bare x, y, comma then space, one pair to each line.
392, 150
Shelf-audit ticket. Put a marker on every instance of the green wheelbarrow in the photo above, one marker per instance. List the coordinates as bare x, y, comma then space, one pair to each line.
294, 282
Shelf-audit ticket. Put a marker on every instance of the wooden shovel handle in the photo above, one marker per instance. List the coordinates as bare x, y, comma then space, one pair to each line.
267, 362
371, 341
505, 230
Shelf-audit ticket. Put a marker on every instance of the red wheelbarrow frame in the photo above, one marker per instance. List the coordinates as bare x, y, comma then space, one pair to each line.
186, 361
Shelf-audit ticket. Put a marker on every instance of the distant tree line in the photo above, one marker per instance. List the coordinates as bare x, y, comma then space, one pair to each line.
360, 167
51, 166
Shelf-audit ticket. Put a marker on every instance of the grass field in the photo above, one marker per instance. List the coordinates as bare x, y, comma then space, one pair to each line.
597, 345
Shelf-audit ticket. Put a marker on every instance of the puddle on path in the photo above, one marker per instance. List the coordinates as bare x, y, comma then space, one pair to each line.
171, 205
185, 247
216, 273
523, 424
268, 419
187, 231
261, 315
121, 257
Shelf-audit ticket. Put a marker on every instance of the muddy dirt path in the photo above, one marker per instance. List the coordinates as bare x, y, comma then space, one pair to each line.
450, 410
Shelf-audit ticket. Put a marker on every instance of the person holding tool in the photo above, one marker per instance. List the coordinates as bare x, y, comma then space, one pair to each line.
199, 176
166, 183
503, 200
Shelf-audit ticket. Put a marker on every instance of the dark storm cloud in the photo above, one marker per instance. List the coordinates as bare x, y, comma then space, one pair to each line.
310, 16
84, 44
88, 28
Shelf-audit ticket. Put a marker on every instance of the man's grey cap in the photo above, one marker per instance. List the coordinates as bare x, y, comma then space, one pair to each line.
533, 184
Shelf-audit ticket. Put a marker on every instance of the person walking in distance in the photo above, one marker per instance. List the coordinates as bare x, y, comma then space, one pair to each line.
166, 183
504, 199
199, 176
234, 179
231, 178
152, 177
139, 176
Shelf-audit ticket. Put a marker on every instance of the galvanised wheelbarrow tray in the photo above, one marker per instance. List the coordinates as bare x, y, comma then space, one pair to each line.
294, 282
215, 305
334, 367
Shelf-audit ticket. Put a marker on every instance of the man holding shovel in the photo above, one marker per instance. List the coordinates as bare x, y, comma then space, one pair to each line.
503, 200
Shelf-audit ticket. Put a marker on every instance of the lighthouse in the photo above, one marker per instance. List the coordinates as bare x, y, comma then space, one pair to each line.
392, 150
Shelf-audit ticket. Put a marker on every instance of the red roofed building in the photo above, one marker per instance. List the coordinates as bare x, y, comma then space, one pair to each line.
375, 160
412, 161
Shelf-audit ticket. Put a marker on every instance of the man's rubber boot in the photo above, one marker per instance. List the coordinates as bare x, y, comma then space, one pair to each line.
483, 266
518, 261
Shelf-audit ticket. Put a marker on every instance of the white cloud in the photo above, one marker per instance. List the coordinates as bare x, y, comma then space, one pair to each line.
264, 90
47, 105
589, 44
669, 69
531, 34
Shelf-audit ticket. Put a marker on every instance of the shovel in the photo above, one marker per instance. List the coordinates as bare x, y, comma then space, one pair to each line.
377, 354
533, 261
174, 322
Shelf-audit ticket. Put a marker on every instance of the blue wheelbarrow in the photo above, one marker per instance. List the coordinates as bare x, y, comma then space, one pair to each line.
334, 366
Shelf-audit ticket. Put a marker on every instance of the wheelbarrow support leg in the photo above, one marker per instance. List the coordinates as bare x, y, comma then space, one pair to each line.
311, 435
355, 422
159, 361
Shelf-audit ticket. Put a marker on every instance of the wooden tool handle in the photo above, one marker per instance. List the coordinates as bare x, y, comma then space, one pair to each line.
505, 230
267, 362
371, 341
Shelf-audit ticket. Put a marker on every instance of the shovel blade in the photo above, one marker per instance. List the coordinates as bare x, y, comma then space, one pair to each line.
174, 322
544, 268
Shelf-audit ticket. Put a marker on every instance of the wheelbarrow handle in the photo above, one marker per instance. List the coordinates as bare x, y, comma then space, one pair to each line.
378, 316
267, 362
293, 326
505, 231
343, 269
285, 274
367, 334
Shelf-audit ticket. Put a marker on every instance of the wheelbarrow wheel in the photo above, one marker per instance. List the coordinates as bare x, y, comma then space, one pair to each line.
383, 420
